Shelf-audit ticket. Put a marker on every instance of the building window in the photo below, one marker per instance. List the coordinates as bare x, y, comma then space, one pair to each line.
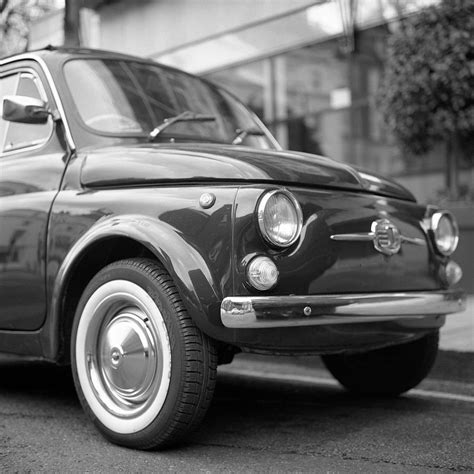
319, 100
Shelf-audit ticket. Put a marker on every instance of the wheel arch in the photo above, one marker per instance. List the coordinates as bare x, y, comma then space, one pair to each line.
113, 239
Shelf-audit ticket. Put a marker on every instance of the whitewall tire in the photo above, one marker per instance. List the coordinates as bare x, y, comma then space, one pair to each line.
130, 379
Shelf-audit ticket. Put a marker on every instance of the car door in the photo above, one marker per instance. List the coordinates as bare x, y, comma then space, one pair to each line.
32, 162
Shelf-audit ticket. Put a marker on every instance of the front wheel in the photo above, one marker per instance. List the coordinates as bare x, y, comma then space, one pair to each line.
144, 373
386, 372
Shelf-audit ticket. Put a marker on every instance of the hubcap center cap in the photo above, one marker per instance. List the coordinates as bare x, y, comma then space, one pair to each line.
115, 357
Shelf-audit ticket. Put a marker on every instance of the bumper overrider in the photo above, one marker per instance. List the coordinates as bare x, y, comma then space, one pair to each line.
313, 310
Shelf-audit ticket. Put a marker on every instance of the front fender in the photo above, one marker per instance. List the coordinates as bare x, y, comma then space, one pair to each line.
199, 286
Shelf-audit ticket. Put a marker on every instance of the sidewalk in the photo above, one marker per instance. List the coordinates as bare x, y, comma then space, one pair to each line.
458, 332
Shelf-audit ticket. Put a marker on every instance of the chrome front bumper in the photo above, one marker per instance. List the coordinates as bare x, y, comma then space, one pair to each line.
312, 310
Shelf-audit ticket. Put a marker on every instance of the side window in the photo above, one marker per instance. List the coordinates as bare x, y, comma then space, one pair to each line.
8, 86
14, 136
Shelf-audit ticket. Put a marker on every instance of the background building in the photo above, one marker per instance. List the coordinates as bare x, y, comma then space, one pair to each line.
311, 70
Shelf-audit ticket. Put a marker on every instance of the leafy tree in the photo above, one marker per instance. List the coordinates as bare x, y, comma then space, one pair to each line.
15, 17
428, 90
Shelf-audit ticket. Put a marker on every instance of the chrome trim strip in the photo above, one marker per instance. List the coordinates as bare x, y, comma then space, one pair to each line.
360, 237
268, 134
370, 236
413, 240
312, 310
54, 91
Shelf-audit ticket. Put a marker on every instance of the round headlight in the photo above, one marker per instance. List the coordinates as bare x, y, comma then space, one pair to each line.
445, 232
279, 218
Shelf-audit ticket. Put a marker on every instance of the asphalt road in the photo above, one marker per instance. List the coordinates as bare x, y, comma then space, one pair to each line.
265, 417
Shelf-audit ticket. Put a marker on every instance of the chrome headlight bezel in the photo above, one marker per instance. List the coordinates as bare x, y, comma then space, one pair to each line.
435, 220
261, 209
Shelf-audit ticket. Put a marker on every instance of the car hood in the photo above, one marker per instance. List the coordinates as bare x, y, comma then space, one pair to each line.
134, 165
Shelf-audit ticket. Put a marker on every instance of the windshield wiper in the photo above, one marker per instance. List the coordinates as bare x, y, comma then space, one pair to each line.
186, 116
244, 132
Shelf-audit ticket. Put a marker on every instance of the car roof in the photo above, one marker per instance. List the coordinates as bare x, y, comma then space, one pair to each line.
55, 56
55, 53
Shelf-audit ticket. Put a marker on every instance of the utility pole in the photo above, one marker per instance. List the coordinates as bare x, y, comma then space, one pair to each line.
72, 23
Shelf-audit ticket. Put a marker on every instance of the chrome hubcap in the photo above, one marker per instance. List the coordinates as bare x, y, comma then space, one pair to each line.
124, 359
123, 356
128, 357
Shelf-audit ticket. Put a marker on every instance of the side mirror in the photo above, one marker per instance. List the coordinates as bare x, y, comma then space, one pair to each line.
18, 108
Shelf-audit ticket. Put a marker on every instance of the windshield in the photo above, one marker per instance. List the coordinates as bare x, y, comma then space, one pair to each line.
130, 98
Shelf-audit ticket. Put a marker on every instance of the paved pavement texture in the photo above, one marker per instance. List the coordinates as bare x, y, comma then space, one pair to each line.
267, 416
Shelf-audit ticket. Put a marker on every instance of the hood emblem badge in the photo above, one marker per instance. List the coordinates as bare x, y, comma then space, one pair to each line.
387, 237
384, 234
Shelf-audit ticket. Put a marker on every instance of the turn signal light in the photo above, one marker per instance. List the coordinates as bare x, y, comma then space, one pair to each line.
262, 273
450, 273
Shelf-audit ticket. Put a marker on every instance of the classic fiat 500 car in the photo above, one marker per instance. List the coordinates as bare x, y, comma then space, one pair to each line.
151, 227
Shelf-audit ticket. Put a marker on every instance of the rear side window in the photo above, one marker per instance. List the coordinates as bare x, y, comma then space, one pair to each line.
15, 136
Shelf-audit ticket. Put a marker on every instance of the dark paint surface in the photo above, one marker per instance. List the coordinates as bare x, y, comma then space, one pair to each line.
154, 163
204, 256
134, 165
149, 194
30, 179
194, 244
315, 264
29, 182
